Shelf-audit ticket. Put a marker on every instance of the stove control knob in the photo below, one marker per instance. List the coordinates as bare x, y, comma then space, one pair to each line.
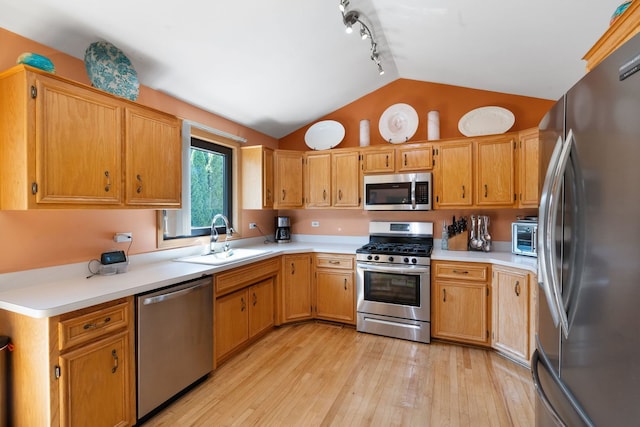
406, 260
390, 259
369, 257
413, 260
376, 258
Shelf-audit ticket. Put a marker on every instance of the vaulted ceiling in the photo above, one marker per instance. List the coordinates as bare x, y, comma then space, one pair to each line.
277, 65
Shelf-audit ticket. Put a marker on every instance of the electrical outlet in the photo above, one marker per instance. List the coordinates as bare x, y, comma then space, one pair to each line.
252, 225
315, 223
122, 237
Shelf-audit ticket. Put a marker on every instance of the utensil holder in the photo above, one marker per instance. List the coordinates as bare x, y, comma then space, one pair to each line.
459, 242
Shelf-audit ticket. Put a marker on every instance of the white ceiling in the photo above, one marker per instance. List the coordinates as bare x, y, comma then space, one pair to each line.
277, 65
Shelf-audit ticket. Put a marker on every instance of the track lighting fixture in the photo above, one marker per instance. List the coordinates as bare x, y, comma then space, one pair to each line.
352, 17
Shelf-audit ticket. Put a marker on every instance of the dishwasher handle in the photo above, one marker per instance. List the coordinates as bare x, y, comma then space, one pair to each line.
171, 295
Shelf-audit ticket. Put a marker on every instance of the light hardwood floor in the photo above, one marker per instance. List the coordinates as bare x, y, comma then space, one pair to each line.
317, 374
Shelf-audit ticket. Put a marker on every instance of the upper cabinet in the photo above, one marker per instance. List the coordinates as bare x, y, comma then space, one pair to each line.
332, 179
288, 179
626, 26
495, 171
257, 177
529, 169
66, 145
404, 158
378, 160
318, 180
453, 175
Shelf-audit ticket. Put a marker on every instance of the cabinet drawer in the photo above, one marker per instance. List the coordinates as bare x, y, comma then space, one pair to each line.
85, 327
334, 261
246, 275
464, 271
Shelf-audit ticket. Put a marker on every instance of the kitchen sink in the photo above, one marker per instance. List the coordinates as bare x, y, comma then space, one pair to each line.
222, 258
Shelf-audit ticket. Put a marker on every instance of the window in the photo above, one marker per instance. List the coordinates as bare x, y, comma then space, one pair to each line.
208, 188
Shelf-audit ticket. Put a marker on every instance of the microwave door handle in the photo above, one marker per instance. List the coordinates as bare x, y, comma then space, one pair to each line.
413, 192
544, 275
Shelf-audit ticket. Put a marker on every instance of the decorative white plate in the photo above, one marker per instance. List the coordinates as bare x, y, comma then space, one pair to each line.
324, 135
486, 121
398, 123
110, 70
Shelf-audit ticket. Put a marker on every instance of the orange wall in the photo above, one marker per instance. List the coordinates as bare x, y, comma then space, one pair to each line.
34, 239
451, 101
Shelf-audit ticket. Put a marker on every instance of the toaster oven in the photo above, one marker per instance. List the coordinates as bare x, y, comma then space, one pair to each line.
524, 235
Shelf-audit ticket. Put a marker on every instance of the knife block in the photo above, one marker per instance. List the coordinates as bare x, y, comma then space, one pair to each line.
459, 242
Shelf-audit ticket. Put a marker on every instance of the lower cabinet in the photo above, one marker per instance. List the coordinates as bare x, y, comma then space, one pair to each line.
296, 287
512, 312
244, 306
460, 304
335, 288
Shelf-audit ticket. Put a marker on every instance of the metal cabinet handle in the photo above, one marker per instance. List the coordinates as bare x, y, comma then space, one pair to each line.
339, 194
114, 354
255, 299
243, 304
405, 160
345, 284
139, 188
95, 325
444, 295
333, 261
268, 196
516, 288
460, 271
387, 161
293, 268
284, 193
463, 192
486, 190
324, 194
107, 187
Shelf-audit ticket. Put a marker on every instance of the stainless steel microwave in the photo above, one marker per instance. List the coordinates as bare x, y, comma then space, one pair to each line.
524, 235
398, 192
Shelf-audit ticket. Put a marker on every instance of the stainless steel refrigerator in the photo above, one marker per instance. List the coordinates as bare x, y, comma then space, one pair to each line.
586, 367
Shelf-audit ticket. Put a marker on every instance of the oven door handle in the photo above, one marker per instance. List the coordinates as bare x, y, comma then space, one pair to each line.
391, 268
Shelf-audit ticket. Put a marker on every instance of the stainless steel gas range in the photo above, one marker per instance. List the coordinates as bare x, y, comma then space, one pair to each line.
393, 280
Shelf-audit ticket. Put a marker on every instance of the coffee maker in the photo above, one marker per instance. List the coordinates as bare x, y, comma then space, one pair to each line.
283, 229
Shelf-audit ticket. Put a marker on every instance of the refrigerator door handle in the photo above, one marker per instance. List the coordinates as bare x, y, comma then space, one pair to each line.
546, 224
535, 359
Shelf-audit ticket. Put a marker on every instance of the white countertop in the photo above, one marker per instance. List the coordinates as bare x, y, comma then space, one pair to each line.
47, 292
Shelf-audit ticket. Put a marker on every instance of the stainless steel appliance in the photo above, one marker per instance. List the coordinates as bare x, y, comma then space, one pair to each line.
398, 192
283, 229
524, 237
586, 366
174, 341
393, 280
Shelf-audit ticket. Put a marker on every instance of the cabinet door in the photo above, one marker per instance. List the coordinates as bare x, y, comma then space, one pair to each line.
231, 322
95, 384
511, 312
318, 180
346, 179
296, 279
288, 179
529, 169
257, 177
377, 161
78, 146
261, 305
335, 295
460, 311
414, 158
153, 159
495, 172
453, 181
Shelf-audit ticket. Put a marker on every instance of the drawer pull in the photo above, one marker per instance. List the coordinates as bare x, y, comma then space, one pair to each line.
114, 354
333, 261
460, 271
95, 325
517, 288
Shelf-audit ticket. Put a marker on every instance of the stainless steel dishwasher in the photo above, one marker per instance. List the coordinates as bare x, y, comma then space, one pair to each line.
174, 341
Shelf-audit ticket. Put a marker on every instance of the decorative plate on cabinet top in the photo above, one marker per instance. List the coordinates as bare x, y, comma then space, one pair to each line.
398, 123
324, 135
36, 60
110, 70
486, 121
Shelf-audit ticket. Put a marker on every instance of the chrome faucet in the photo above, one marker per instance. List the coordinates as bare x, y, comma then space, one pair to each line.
214, 233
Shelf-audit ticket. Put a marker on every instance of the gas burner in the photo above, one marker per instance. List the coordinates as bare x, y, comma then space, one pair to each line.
398, 243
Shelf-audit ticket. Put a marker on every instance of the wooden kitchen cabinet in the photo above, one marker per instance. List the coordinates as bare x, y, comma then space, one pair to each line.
529, 169
335, 288
495, 172
288, 179
460, 305
453, 180
65, 145
378, 160
345, 168
318, 180
296, 287
511, 312
244, 306
257, 177
414, 158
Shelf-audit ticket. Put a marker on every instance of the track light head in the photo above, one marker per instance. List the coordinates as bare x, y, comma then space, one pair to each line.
351, 18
